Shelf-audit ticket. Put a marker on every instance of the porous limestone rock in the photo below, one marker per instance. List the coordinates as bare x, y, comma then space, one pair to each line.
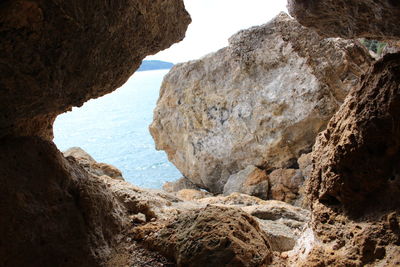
357, 158
281, 222
59, 54
252, 181
261, 101
91, 165
355, 183
374, 19
213, 236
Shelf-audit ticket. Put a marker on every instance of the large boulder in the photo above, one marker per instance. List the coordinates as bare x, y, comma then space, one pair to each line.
59, 54
213, 236
261, 101
375, 19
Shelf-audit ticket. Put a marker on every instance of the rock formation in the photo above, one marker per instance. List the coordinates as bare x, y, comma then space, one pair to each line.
374, 19
214, 236
55, 55
252, 181
53, 213
353, 187
261, 101
91, 165
242, 229
358, 155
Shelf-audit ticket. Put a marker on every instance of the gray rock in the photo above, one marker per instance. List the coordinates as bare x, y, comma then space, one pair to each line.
261, 101
252, 181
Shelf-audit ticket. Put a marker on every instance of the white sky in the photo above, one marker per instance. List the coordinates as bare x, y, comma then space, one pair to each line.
214, 21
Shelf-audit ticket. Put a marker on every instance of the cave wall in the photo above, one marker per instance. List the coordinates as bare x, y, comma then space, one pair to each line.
354, 185
358, 156
374, 19
55, 55
58, 54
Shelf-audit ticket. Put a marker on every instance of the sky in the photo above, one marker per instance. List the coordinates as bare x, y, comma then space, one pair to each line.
214, 21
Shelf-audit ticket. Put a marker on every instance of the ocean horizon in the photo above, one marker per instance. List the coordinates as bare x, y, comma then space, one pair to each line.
114, 129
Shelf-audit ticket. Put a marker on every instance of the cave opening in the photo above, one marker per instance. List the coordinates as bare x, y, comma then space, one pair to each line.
113, 129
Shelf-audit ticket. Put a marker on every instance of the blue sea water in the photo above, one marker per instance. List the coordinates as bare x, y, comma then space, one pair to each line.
114, 129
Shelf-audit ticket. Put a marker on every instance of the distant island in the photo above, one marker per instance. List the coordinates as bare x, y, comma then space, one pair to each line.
155, 65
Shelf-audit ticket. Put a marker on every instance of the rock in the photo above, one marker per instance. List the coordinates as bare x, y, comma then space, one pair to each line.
182, 183
354, 186
55, 55
374, 19
357, 157
52, 210
283, 223
213, 236
252, 181
305, 165
285, 184
234, 199
261, 101
58, 55
90, 164
391, 47
79, 154
191, 194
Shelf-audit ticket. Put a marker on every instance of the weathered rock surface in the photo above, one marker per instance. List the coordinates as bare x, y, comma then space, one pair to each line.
53, 213
374, 19
150, 212
354, 186
213, 236
261, 101
251, 181
192, 194
91, 165
180, 184
285, 184
358, 155
55, 55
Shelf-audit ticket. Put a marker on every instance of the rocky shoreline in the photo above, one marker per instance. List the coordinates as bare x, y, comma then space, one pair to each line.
157, 220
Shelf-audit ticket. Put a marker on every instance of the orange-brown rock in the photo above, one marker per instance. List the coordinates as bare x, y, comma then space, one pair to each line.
375, 19
59, 54
357, 158
213, 236
285, 184
91, 165
354, 185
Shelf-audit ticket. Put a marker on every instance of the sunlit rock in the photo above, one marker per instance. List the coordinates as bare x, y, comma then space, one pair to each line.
261, 101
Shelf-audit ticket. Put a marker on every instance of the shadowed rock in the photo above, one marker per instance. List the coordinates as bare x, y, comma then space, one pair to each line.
59, 54
374, 19
55, 55
358, 155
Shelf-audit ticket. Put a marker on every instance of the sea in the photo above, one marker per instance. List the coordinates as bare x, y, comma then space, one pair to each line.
114, 129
